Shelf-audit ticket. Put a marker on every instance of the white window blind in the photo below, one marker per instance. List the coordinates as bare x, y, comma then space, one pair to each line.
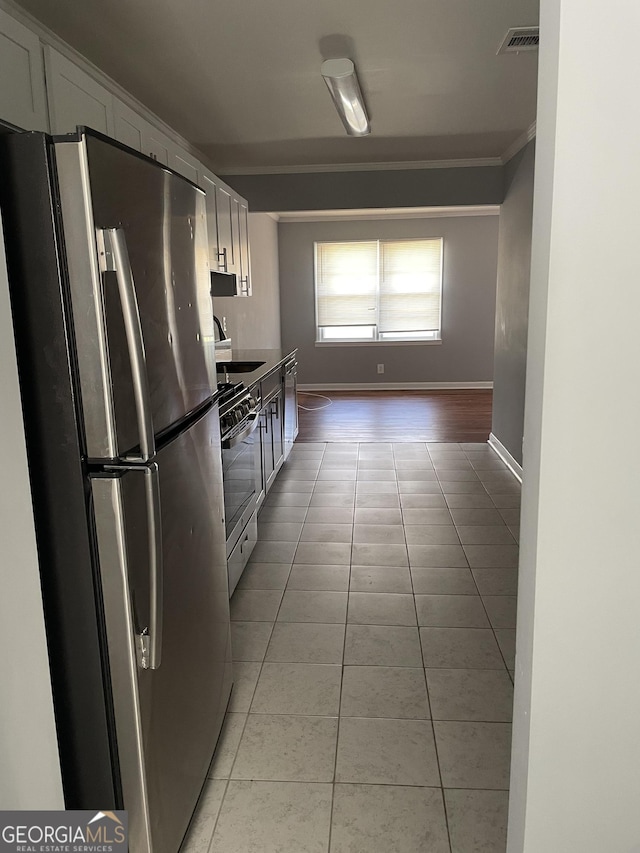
347, 283
410, 285
379, 289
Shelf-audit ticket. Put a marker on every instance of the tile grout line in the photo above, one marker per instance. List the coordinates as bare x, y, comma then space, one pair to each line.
495, 637
444, 799
361, 717
342, 665
493, 630
372, 784
426, 684
215, 823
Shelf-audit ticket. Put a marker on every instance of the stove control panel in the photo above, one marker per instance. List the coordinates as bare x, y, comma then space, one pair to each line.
237, 413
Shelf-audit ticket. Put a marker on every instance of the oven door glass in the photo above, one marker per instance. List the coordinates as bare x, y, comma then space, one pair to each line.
239, 473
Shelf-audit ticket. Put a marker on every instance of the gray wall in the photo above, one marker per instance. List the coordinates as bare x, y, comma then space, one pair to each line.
254, 322
468, 312
512, 302
471, 185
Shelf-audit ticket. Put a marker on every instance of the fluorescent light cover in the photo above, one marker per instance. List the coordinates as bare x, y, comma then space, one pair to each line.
342, 82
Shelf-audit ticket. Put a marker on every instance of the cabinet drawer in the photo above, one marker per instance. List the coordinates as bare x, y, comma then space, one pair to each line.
237, 559
271, 384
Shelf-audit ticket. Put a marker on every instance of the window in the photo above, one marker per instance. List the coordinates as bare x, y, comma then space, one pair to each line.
379, 290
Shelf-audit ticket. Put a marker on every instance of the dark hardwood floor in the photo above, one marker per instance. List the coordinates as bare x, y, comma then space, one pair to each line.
395, 415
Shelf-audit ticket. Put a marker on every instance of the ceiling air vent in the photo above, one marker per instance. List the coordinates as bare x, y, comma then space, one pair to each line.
520, 38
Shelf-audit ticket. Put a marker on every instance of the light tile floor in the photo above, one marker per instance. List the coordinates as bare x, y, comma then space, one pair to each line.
373, 634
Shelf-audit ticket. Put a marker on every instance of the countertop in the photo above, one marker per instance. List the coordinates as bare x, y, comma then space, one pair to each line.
272, 359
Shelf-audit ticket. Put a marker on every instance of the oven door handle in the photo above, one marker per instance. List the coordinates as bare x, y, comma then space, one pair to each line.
252, 423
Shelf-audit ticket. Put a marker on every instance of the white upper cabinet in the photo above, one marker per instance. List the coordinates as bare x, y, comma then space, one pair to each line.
75, 97
228, 227
22, 90
158, 146
136, 132
227, 213
209, 184
243, 240
186, 165
130, 127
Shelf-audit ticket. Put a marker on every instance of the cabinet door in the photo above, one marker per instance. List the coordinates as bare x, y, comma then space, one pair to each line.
186, 165
277, 424
210, 187
261, 480
75, 97
226, 210
136, 132
22, 93
156, 145
243, 239
235, 235
130, 127
267, 447
290, 405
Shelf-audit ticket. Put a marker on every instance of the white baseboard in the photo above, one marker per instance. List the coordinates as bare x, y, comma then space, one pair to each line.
498, 448
395, 386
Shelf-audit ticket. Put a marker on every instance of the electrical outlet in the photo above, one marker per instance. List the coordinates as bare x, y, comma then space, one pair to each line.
381, 368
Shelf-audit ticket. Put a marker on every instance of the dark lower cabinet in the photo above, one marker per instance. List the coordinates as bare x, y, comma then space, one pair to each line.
290, 404
271, 451
277, 429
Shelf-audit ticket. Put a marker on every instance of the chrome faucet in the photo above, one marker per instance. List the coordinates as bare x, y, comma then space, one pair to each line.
221, 332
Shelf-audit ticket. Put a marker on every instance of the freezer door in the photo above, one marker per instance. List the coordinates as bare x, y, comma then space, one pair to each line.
143, 324
167, 718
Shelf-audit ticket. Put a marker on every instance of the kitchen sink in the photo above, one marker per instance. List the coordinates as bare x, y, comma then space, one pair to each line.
238, 366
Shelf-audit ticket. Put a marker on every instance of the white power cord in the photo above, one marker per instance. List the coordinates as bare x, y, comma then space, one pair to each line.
315, 408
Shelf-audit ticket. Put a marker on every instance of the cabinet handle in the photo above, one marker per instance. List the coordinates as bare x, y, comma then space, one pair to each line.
222, 264
244, 285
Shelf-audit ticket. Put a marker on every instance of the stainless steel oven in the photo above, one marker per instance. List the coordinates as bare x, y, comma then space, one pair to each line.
238, 424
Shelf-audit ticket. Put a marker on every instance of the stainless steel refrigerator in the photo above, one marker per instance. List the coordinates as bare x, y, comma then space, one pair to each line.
107, 259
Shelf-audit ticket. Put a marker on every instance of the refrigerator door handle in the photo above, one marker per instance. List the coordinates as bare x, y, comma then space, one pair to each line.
114, 257
151, 640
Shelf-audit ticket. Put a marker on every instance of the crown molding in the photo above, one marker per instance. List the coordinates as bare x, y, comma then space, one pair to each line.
409, 165
519, 143
380, 213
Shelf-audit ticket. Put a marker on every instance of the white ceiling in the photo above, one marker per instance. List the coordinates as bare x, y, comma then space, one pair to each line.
240, 79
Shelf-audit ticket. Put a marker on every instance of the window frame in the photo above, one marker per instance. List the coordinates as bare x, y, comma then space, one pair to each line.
430, 338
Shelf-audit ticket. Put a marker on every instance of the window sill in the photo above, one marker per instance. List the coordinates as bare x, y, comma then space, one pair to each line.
428, 343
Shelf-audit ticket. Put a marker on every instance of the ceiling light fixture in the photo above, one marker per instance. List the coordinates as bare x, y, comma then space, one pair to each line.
342, 82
